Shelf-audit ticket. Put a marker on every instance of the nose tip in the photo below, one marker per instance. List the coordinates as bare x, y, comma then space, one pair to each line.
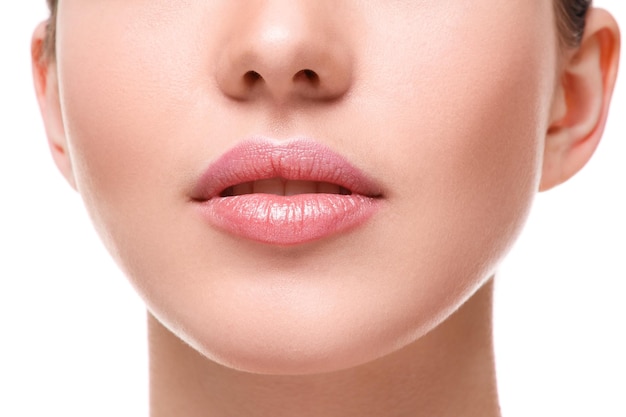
296, 57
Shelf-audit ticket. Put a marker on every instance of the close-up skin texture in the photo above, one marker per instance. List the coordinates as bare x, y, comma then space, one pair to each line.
312, 197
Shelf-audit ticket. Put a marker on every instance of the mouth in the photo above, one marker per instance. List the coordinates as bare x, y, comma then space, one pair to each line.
285, 194
284, 187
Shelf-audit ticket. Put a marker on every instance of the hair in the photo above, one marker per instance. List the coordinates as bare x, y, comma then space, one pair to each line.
571, 17
570, 20
49, 44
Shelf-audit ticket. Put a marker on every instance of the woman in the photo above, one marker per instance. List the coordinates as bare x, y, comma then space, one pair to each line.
312, 198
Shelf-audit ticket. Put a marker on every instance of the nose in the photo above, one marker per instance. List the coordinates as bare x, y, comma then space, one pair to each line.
285, 50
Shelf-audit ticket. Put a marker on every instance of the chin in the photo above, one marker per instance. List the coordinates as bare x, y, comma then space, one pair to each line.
304, 355
275, 340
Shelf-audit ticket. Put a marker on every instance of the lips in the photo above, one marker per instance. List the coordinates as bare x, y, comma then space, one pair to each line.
285, 194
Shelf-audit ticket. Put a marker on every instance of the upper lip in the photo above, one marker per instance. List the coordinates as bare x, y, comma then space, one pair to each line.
298, 159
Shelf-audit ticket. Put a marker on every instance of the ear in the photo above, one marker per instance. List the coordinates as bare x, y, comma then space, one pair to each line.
47, 90
582, 100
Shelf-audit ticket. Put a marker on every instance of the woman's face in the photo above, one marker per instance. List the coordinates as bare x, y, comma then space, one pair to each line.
419, 126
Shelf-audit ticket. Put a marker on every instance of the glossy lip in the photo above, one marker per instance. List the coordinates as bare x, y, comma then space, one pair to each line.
285, 220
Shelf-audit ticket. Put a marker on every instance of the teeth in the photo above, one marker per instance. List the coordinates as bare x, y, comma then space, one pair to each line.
270, 186
327, 188
240, 189
280, 186
300, 187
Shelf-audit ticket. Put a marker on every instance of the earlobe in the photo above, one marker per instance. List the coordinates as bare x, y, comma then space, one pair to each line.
47, 90
582, 100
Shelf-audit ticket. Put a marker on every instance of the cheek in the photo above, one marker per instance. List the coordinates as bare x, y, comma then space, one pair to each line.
492, 138
463, 123
127, 106
467, 116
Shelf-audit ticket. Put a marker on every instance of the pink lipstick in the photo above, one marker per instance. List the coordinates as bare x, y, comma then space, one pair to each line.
285, 193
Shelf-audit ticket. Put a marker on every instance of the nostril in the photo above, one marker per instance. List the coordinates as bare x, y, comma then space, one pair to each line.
307, 75
251, 77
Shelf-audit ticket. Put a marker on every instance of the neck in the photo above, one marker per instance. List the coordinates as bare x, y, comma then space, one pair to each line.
448, 372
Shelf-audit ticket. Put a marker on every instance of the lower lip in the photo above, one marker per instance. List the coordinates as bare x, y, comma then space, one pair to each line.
288, 220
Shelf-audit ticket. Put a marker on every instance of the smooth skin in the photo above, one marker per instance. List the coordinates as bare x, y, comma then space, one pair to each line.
462, 111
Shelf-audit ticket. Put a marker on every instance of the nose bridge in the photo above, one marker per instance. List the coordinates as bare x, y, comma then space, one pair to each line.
283, 49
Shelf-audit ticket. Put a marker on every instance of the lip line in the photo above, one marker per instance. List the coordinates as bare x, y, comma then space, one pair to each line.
296, 159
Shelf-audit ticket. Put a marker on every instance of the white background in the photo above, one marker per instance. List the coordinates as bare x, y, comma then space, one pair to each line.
72, 337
